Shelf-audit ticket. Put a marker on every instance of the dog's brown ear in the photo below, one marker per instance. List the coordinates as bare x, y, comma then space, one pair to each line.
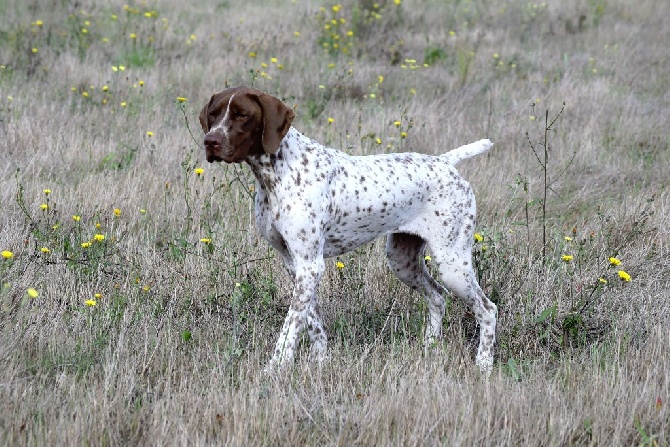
203, 116
277, 119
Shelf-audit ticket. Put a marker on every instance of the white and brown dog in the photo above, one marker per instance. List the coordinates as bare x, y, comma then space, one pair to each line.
313, 202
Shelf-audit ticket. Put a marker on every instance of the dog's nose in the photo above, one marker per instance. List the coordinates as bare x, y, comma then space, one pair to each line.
213, 140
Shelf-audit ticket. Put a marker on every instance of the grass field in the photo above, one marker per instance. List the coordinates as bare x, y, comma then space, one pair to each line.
138, 303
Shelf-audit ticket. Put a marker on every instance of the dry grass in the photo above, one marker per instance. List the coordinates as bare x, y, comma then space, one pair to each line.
171, 353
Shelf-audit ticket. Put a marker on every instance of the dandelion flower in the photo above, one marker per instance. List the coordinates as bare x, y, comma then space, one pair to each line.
46, 191
99, 237
331, 120
90, 303
478, 237
150, 133
427, 258
76, 218
567, 258
199, 171
117, 212
568, 238
403, 134
44, 206
397, 123
181, 99
98, 296
32, 293
339, 265
602, 280
205, 240
45, 250
623, 275
86, 244
614, 261
7, 254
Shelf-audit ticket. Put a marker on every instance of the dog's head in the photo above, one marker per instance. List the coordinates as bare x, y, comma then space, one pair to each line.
241, 122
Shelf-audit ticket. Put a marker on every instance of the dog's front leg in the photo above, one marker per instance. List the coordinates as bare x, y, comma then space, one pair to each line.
302, 313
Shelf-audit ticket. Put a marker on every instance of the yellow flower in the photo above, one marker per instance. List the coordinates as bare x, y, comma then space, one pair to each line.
378, 140
331, 120
85, 244
567, 258
614, 261
380, 79
336, 8
39, 23
76, 218
296, 33
403, 134
90, 303
99, 237
123, 103
478, 237
32, 293
150, 133
35, 50
602, 280
199, 171
397, 123
206, 240
252, 54
117, 212
45, 250
568, 238
44, 206
7, 254
427, 258
105, 88
47, 192
274, 60
98, 296
141, 83
339, 265
623, 275
133, 36
181, 99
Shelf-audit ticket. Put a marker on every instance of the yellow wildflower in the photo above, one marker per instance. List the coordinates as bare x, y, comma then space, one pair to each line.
90, 303
150, 133
181, 99
85, 244
478, 237
614, 261
99, 237
339, 265
623, 275
44, 206
7, 254
45, 250
76, 218
47, 192
427, 258
206, 240
199, 171
117, 212
567, 258
32, 293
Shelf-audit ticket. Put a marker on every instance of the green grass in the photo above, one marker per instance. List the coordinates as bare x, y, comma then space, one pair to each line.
188, 296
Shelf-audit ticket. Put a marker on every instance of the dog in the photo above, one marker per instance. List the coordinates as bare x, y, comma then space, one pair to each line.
313, 202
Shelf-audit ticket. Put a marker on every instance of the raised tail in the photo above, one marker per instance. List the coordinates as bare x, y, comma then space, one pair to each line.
467, 151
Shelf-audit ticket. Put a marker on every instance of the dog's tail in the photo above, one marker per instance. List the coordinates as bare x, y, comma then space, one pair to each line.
467, 151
